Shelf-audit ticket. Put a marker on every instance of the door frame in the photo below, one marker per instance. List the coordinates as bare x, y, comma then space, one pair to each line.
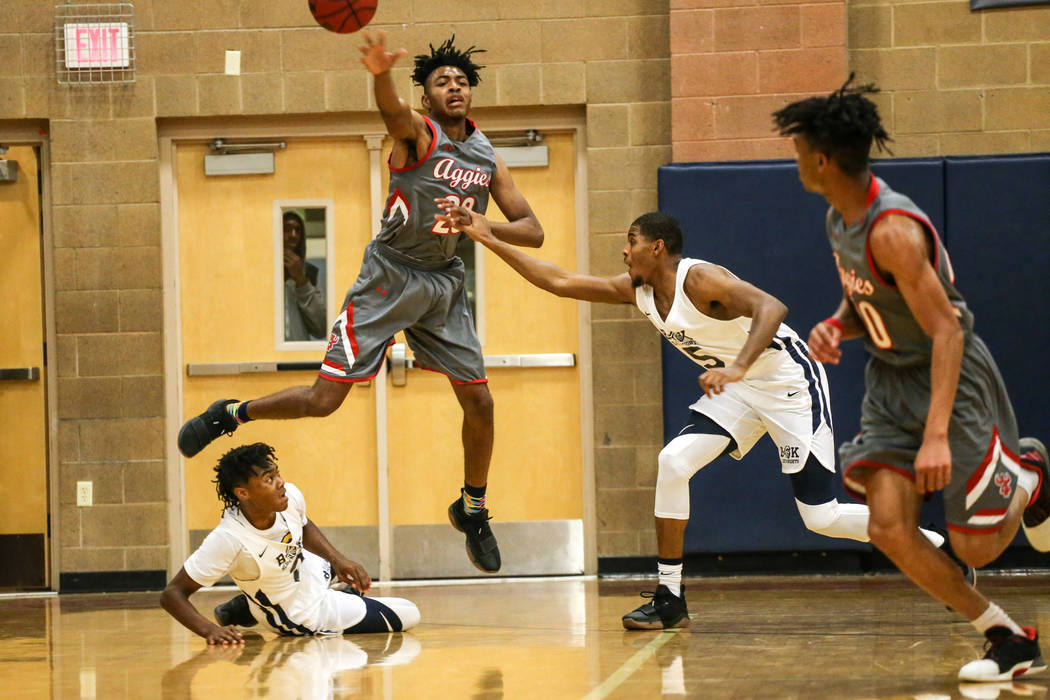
35, 133
369, 126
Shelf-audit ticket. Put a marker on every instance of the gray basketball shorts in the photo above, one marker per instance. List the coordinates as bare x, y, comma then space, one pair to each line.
982, 436
430, 306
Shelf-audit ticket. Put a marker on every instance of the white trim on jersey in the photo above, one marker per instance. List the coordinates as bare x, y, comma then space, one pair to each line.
988, 471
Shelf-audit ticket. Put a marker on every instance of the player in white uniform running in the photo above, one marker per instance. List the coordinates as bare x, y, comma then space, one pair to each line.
758, 379
280, 560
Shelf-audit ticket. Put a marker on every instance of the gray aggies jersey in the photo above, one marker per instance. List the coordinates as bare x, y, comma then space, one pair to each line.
462, 169
893, 335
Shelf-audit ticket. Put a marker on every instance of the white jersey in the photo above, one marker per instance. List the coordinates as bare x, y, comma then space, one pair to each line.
286, 586
706, 341
266, 564
784, 392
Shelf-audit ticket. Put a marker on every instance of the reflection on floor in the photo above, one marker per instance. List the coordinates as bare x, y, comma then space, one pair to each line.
760, 637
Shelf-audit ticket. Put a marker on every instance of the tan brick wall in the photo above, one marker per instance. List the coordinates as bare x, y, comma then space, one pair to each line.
735, 61
955, 82
610, 55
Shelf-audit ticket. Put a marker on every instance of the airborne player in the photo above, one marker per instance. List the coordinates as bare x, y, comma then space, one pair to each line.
411, 279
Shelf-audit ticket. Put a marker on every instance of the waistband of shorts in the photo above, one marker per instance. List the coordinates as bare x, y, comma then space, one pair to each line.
397, 256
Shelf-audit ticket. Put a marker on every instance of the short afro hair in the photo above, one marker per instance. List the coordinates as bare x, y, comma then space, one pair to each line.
447, 55
239, 465
843, 125
658, 226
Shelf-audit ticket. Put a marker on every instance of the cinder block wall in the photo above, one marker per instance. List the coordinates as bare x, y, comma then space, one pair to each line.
609, 55
734, 62
955, 82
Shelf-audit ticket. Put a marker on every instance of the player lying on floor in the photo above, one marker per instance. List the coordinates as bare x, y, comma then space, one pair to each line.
279, 559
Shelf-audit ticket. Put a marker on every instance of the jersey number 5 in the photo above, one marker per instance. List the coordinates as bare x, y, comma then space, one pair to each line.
705, 361
443, 229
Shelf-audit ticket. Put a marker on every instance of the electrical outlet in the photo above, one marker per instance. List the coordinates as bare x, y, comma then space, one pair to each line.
84, 493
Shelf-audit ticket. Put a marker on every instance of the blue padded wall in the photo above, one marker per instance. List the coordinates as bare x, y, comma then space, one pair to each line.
999, 221
755, 219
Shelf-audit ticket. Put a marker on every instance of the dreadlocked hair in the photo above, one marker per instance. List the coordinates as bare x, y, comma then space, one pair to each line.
239, 465
842, 125
447, 55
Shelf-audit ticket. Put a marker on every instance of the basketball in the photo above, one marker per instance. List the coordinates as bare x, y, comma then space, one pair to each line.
343, 16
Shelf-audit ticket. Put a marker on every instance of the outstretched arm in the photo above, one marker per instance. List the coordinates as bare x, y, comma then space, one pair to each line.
522, 227
406, 126
545, 275
175, 599
721, 295
349, 572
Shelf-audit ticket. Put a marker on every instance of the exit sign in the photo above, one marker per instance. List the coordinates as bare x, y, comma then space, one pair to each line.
97, 45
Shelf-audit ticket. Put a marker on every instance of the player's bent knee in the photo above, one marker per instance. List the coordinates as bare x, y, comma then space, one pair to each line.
977, 550
678, 461
477, 402
325, 397
888, 537
386, 615
819, 518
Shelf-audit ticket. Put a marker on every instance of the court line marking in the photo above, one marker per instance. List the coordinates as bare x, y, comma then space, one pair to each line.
629, 667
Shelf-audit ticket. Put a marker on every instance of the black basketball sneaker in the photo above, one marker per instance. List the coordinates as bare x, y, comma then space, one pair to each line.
665, 611
235, 611
481, 543
1008, 656
198, 431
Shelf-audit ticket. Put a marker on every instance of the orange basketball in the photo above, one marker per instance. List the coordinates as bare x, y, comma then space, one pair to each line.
343, 16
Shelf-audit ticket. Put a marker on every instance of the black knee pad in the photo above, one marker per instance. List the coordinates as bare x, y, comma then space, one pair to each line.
378, 618
814, 484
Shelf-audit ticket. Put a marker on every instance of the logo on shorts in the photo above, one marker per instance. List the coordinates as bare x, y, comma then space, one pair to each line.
789, 454
1002, 480
332, 340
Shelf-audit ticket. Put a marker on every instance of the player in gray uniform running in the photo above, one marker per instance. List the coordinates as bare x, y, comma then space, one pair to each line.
410, 277
756, 376
936, 415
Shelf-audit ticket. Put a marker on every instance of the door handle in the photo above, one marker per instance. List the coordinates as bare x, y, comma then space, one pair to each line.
19, 373
398, 363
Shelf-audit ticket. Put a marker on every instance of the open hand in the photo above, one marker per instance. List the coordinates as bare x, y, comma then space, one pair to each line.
713, 381
459, 218
376, 58
224, 635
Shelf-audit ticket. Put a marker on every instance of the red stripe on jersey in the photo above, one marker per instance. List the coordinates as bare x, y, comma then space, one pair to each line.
433, 142
976, 530
910, 215
483, 380
397, 195
991, 511
972, 482
871, 465
873, 191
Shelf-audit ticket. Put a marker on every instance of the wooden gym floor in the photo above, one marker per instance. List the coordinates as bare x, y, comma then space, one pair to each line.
758, 637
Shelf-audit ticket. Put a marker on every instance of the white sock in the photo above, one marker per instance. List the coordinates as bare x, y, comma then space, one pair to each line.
995, 617
671, 576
